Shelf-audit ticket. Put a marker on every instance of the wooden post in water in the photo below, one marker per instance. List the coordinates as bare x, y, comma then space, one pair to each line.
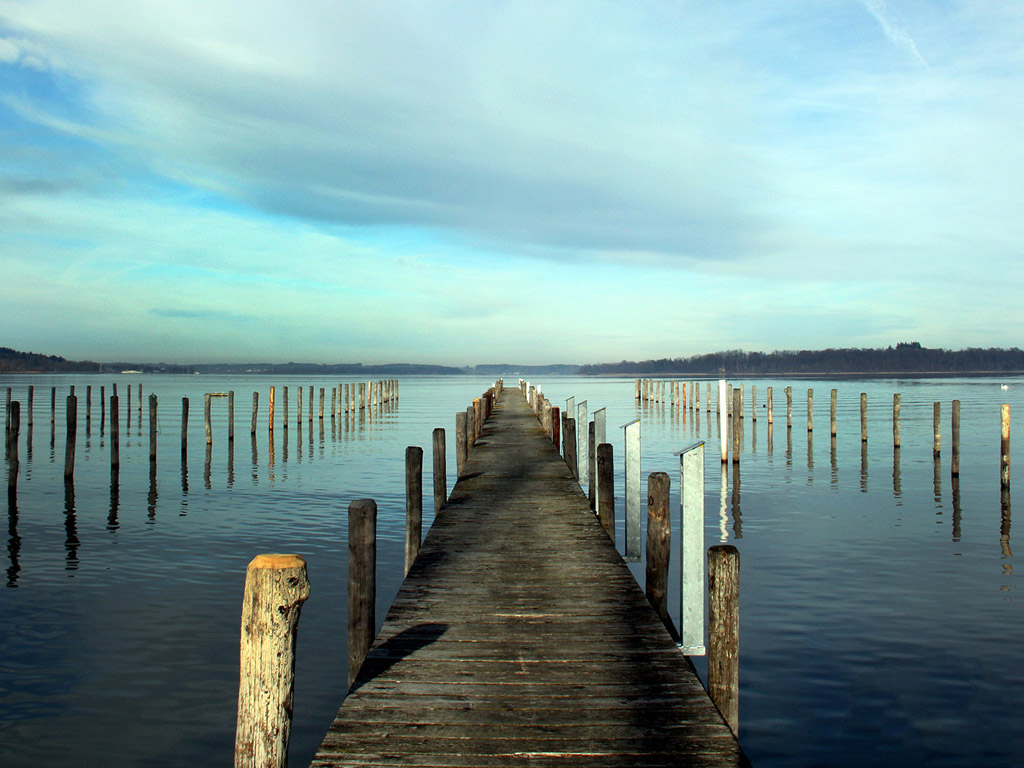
832, 412
440, 470
1004, 446
88, 406
461, 446
184, 427
606, 488
139, 406
724, 631
284, 407
863, 417
53, 406
659, 541
255, 408
936, 430
13, 429
753, 402
789, 407
737, 434
231, 415
896, 420
323, 393
207, 418
810, 410
413, 503
270, 411
275, 588
72, 438
152, 429
954, 467
115, 436
362, 581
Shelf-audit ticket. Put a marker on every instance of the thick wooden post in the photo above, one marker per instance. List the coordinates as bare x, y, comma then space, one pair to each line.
255, 408
115, 436
896, 420
724, 631
606, 488
72, 437
362, 582
440, 470
184, 427
954, 467
207, 418
571, 447
270, 411
231, 416
275, 588
659, 540
413, 503
936, 430
737, 411
152, 429
461, 445
470, 429
723, 419
810, 410
592, 466
832, 412
556, 425
1004, 446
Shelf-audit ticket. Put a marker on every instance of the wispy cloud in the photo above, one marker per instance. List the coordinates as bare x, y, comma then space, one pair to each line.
892, 29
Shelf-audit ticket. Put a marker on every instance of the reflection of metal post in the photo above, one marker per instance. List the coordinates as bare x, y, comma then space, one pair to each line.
691, 568
632, 471
723, 418
600, 436
582, 438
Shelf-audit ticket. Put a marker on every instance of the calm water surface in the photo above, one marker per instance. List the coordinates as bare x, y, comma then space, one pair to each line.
879, 619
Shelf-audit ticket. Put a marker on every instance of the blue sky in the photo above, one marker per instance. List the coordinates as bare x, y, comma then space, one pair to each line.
534, 182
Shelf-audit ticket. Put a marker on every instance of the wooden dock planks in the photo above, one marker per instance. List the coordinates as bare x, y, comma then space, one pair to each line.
519, 637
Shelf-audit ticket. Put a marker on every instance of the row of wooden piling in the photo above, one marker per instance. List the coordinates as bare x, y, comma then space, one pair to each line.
656, 391
723, 560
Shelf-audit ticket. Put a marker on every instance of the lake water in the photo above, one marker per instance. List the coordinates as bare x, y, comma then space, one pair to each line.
879, 624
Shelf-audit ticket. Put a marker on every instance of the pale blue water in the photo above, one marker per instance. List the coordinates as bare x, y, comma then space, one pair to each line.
879, 621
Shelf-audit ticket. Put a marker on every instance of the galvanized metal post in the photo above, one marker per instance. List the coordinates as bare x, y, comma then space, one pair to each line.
691, 568
633, 501
723, 418
600, 436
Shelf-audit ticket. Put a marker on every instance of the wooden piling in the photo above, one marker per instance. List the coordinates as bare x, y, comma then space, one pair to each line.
896, 420
724, 631
270, 411
207, 419
810, 410
461, 441
470, 429
1004, 446
362, 581
659, 541
954, 467
184, 427
413, 503
592, 466
753, 402
571, 448
832, 412
737, 429
255, 409
115, 436
275, 588
606, 488
936, 430
72, 438
13, 430
789, 407
440, 470
152, 429
556, 425
231, 416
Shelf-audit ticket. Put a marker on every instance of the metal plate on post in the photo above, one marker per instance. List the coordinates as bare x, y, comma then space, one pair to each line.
691, 545
633, 502
600, 436
582, 443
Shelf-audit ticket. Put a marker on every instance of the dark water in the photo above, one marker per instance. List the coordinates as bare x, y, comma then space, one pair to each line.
879, 625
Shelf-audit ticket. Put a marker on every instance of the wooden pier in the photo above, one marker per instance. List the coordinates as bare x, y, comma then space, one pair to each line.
520, 637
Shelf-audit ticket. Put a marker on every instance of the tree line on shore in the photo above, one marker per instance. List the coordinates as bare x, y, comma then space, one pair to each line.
905, 357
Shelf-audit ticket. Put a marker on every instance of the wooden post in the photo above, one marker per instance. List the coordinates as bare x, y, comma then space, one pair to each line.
115, 436
461, 445
13, 429
737, 411
440, 470
954, 467
771, 411
470, 429
1004, 446
724, 631
72, 438
53, 406
606, 488
571, 446
936, 430
753, 402
413, 503
88, 406
591, 467
556, 426
789, 407
362, 582
275, 588
896, 420
723, 419
152, 429
832, 412
270, 411
810, 410
231, 416
284, 407
255, 408
323, 393
139, 406
659, 539
207, 418
184, 427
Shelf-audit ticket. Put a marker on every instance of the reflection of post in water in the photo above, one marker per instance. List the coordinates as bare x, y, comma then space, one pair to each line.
71, 542
207, 480
753, 436
255, 460
151, 497
1004, 528
789, 447
937, 481
737, 516
863, 467
723, 510
184, 473
270, 458
231, 464
832, 462
897, 485
956, 507
771, 429
810, 450
13, 540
